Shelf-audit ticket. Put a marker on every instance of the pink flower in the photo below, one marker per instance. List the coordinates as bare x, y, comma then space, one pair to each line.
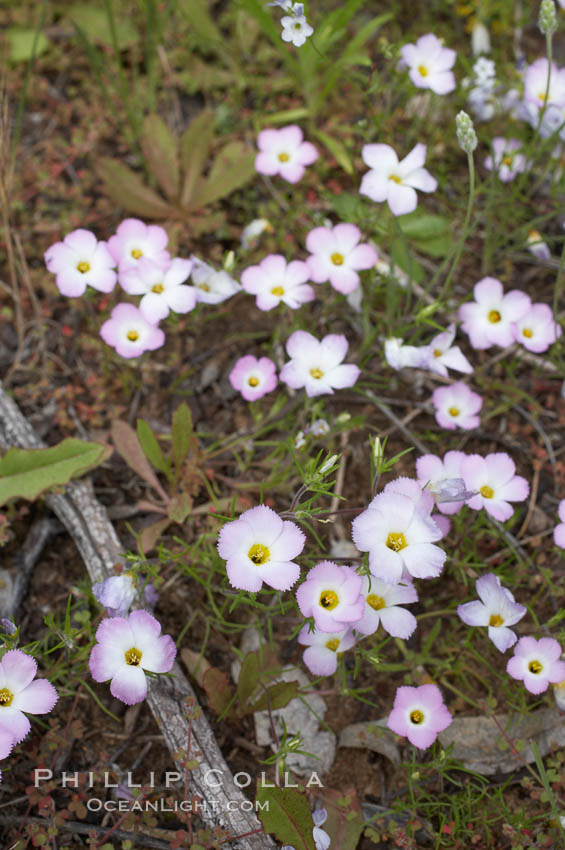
489, 318
212, 287
332, 595
6, 744
430, 64
161, 286
284, 152
323, 648
536, 663
393, 181
537, 246
537, 329
336, 255
497, 610
80, 261
398, 356
441, 355
273, 281
559, 530
382, 606
535, 85
419, 713
260, 547
444, 480
253, 378
457, 406
399, 536
116, 594
127, 646
317, 366
497, 484
129, 332
19, 693
507, 162
135, 240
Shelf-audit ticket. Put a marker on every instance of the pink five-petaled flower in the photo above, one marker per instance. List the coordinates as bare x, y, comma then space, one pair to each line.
323, 648
337, 256
332, 595
457, 406
116, 594
441, 355
6, 744
559, 530
506, 161
537, 329
444, 480
126, 648
489, 318
317, 365
536, 663
259, 547
495, 479
162, 288
80, 261
253, 377
284, 152
129, 333
19, 693
394, 181
273, 281
419, 713
497, 610
430, 64
399, 535
134, 241
382, 606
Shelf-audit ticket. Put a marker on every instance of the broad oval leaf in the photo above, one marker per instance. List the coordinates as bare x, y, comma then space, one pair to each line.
194, 148
129, 192
233, 167
287, 816
128, 446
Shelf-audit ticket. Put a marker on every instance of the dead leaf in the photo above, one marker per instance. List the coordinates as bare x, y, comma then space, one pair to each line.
373, 736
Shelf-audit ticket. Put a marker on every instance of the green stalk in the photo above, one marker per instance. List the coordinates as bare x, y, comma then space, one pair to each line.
446, 289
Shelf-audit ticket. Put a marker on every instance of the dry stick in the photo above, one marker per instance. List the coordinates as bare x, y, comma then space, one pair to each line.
86, 828
86, 521
397, 422
25, 561
532, 502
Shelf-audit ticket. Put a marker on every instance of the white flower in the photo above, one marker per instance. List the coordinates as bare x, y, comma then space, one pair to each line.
441, 355
251, 233
163, 290
398, 356
484, 71
296, 29
430, 64
396, 181
480, 39
318, 365
212, 287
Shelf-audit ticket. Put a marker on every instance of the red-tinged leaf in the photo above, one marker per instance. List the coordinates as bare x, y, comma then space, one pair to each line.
151, 534
195, 148
159, 147
211, 680
150, 507
130, 193
345, 819
127, 444
285, 813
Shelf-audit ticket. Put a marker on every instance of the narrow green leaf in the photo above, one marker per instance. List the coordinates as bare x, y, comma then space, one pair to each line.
151, 447
289, 115
159, 148
202, 24
26, 473
195, 147
233, 167
181, 433
128, 446
337, 150
287, 816
128, 191
93, 20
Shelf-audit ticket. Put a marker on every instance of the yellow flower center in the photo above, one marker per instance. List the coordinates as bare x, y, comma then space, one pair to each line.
396, 541
136, 253
528, 332
133, 657
332, 644
259, 554
507, 160
253, 382
486, 492
494, 316
454, 411
83, 267
283, 157
395, 177
317, 373
133, 336
416, 717
535, 667
278, 291
541, 96
423, 70
337, 259
158, 288
495, 620
534, 236
6, 697
328, 599
437, 352
376, 602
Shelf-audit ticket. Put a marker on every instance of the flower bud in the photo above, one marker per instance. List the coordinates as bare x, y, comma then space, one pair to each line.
466, 135
547, 20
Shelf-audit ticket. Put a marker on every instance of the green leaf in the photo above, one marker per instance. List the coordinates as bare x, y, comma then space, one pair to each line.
277, 696
289, 115
195, 147
128, 446
233, 167
181, 433
151, 534
347, 206
337, 150
345, 819
151, 447
94, 21
401, 256
248, 679
129, 192
423, 226
26, 473
287, 816
439, 247
179, 507
202, 24
21, 43
159, 148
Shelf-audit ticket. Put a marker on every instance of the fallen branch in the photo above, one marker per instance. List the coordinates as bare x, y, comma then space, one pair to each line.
87, 522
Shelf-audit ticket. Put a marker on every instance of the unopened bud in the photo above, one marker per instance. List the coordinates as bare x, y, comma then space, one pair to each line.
480, 39
547, 20
327, 465
466, 135
229, 262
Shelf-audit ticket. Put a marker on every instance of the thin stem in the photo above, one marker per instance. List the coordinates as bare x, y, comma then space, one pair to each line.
465, 232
